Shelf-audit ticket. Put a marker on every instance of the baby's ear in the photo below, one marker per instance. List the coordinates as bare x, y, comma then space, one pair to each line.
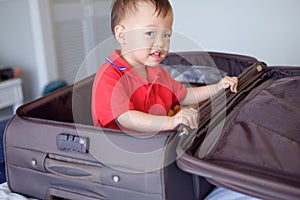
120, 34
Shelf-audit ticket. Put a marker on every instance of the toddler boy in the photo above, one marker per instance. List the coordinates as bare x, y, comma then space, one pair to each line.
131, 91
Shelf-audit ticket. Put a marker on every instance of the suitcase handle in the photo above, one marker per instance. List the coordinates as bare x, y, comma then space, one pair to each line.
83, 172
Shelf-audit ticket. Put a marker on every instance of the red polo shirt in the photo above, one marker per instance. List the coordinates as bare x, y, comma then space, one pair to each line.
116, 91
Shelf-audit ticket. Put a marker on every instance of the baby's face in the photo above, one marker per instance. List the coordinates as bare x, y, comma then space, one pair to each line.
146, 36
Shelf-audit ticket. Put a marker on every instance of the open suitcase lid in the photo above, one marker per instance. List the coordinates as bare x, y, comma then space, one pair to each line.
250, 144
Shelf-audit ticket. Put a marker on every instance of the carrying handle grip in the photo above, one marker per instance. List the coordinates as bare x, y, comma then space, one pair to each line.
73, 170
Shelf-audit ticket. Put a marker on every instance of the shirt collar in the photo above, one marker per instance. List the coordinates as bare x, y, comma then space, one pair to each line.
118, 60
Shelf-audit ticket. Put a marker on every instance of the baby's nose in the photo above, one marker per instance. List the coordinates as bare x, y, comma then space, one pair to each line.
159, 41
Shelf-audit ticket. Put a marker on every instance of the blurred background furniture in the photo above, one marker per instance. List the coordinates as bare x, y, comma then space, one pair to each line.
11, 93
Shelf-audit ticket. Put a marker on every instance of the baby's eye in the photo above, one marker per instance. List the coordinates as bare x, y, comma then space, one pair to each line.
168, 35
150, 33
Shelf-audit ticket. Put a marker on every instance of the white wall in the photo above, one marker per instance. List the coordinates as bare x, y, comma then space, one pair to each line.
16, 43
266, 29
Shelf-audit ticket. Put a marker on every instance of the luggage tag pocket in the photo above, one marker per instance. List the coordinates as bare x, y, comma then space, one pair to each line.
57, 193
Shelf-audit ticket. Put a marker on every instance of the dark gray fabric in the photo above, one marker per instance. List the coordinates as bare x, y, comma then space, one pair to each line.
2, 162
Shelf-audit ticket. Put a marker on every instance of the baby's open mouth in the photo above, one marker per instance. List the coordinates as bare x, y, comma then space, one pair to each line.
157, 54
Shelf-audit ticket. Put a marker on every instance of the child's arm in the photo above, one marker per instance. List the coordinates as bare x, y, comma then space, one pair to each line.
198, 94
143, 122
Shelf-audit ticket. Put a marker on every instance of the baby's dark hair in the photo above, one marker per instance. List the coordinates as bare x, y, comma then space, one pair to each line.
121, 8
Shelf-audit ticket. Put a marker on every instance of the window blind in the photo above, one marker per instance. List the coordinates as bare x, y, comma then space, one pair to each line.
78, 27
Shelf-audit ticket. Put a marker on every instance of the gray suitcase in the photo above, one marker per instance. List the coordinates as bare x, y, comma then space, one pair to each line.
52, 150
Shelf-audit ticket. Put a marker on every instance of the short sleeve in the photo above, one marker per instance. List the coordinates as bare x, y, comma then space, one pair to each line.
110, 98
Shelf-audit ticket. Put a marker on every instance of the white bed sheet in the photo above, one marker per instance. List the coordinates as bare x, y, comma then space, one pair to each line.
223, 194
6, 194
216, 194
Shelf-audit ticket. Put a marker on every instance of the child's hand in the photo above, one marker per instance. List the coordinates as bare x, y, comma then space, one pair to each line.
187, 116
227, 82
